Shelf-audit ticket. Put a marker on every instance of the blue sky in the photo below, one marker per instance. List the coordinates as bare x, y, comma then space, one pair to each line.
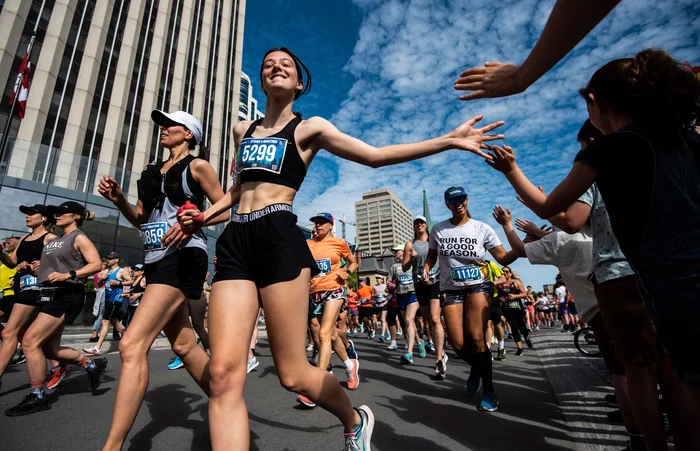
383, 72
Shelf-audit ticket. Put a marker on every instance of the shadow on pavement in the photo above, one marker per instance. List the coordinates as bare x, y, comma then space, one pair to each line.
170, 406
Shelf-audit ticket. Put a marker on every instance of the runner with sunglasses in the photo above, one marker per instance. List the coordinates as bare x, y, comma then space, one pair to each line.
462, 243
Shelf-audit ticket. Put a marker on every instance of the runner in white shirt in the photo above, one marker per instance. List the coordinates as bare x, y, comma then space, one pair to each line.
466, 288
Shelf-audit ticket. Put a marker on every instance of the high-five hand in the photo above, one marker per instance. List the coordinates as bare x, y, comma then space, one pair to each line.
471, 139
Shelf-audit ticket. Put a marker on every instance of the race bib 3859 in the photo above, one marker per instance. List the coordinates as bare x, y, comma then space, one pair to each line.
152, 235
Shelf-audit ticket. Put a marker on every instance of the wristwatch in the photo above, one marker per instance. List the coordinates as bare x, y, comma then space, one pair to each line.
73, 275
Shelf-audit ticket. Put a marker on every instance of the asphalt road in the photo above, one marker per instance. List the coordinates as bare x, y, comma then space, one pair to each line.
412, 411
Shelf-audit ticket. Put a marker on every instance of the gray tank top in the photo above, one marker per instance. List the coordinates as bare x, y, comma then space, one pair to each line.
421, 248
61, 256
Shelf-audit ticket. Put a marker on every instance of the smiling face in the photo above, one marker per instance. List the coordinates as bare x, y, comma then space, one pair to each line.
279, 75
458, 205
419, 226
173, 134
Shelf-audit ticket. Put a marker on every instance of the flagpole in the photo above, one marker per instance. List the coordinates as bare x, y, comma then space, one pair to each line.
18, 86
18, 89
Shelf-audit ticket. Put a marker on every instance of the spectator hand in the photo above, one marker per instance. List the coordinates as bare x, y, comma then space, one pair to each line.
492, 80
471, 139
502, 216
530, 228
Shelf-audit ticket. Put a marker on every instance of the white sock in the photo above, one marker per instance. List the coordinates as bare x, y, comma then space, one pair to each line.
393, 343
348, 364
488, 345
501, 344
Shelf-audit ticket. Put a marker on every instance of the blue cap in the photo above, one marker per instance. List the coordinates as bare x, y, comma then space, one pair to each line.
455, 191
327, 216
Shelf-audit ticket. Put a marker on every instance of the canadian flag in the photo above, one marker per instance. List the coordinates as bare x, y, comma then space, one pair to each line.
22, 86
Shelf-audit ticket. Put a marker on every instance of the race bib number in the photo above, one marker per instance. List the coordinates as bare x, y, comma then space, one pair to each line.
27, 281
466, 275
46, 294
405, 279
324, 265
152, 235
261, 153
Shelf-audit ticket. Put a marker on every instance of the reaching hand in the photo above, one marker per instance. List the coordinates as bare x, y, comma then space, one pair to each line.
492, 80
531, 228
471, 139
502, 216
502, 159
110, 189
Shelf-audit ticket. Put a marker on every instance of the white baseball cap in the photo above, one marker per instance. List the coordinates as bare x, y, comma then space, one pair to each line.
183, 118
420, 218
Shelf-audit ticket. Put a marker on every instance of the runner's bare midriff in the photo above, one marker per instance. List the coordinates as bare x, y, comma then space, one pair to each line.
258, 195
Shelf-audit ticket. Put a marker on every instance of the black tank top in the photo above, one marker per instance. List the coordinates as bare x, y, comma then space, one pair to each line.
136, 287
29, 251
274, 159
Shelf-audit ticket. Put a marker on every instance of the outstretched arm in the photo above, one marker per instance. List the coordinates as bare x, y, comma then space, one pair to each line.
324, 135
505, 219
566, 193
569, 22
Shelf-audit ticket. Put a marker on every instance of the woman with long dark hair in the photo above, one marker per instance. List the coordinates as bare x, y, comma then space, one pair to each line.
175, 262
263, 251
645, 107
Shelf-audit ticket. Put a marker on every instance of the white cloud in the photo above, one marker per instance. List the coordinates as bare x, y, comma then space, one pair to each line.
407, 55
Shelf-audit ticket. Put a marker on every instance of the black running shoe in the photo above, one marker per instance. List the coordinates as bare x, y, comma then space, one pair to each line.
21, 358
30, 404
519, 352
95, 375
611, 400
116, 336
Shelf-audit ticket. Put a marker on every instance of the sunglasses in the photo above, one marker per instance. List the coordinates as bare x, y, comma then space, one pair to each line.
457, 200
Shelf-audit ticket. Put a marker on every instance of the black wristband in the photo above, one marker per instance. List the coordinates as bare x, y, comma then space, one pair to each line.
73, 274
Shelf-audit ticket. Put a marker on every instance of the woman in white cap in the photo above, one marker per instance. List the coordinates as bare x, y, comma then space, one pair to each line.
428, 293
262, 251
466, 287
175, 262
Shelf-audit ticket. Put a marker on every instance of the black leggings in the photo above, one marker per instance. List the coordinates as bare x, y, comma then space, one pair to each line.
198, 310
516, 319
391, 314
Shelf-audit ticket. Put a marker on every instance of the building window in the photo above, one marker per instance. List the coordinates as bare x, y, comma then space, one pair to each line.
166, 73
211, 80
133, 105
193, 56
100, 102
226, 146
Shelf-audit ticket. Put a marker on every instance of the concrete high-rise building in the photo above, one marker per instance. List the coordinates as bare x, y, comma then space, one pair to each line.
248, 106
382, 221
98, 69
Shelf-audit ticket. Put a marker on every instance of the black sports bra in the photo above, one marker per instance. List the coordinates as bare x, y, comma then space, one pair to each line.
274, 159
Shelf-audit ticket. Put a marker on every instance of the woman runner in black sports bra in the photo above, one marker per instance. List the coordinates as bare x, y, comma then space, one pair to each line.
262, 250
26, 260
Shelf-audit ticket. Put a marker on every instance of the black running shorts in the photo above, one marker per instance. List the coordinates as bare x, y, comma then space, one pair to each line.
112, 311
64, 300
185, 270
425, 293
265, 246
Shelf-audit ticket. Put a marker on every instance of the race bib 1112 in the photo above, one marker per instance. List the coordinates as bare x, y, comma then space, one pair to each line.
261, 153
466, 275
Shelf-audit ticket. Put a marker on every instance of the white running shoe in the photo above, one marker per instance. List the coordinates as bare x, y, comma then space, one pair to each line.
361, 440
92, 351
252, 364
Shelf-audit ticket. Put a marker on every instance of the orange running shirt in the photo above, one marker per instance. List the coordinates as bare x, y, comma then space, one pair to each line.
365, 294
328, 254
352, 300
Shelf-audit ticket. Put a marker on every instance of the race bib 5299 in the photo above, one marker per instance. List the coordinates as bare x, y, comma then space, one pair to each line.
261, 153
